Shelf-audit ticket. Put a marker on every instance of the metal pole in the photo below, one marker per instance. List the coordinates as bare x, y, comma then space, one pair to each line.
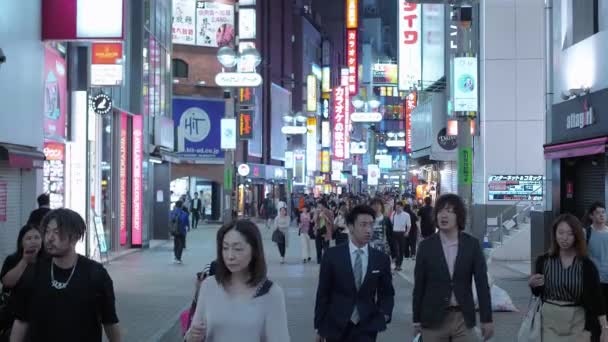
229, 181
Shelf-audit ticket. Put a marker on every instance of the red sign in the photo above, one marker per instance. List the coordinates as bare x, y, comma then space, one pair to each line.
3, 201
54, 151
246, 125
137, 181
410, 104
352, 14
340, 94
123, 179
352, 61
55, 94
106, 53
53, 179
344, 77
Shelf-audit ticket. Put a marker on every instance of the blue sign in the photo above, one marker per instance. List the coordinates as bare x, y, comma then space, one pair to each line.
197, 124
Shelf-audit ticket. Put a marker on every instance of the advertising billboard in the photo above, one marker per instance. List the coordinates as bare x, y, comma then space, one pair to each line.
385, 74
53, 175
137, 202
466, 86
432, 43
202, 23
197, 124
184, 24
410, 47
515, 188
352, 60
339, 123
280, 104
55, 95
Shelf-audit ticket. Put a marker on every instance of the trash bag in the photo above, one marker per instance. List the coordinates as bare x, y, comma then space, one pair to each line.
501, 301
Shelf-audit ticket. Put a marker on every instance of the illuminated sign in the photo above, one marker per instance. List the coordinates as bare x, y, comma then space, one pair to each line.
358, 147
289, 159
410, 48
339, 122
106, 53
243, 170
366, 117
452, 128
123, 179
311, 144
228, 130
245, 125
410, 104
82, 19
238, 79
311, 90
325, 110
325, 134
344, 77
326, 80
373, 174
247, 23
355, 170
137, 202
352, 61
352, 14
395, 143
515, 188
291, 130
246, 97
465, 84
325, 161
385, 74
316, 70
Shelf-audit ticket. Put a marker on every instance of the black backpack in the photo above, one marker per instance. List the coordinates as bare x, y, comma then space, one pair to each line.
174, 224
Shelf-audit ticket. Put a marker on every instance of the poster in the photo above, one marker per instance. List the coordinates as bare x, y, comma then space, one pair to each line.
385, 74
214, 24
198, 127
55, 95
465, 87
183, 22
373, 174
515, 187
53, 173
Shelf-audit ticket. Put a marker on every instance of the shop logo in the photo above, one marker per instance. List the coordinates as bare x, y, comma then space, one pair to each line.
447, 142
195, 124
243, 170
102, 104
580, 120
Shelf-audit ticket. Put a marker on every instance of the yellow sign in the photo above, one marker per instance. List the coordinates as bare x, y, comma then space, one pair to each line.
311, 100
326, 83
352, 14
319, 180
325, 161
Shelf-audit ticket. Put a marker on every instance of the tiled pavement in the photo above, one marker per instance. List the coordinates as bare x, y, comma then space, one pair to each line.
151, 291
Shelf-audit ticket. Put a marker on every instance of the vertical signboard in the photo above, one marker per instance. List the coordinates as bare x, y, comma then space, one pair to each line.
325, 134
228, 134
106, 64
410, 49
465, 84
137, 181
348, 125
311, 144
373, 173
352, 14
214, 24
183, 26
465, 165
325, 161
55, 94
352, 61
339, 123
299, 168
245, 125
410, 104
344, 77
53, 173
311, 90
123, 179
326, 82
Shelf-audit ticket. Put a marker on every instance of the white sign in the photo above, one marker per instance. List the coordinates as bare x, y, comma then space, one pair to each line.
288, 159
355, 170
247, 23
99, 19
325, 134
580, 120
311, 145
373, 173
385, 161
106, 74
395, 143
366, 117
238, 79
465, 84
294, 130
410, 47
214, 24
243, 170
184, 26
228, 129
358, 147
336, 170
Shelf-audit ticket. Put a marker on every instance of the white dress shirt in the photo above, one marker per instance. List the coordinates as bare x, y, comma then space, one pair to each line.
401, 222
364, 257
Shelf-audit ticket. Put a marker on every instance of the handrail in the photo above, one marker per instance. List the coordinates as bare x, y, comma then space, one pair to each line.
520, 201
514, 205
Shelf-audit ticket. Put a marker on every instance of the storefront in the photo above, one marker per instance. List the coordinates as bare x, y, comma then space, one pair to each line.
259, 182
578, 152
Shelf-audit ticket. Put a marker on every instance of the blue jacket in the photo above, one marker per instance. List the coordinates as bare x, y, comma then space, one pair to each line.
182, 217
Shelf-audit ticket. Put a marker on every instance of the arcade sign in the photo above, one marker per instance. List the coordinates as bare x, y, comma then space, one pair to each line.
395, 143
289, 130
366, 117
238, 79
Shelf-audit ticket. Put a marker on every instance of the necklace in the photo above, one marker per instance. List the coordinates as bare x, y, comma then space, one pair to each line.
57, 284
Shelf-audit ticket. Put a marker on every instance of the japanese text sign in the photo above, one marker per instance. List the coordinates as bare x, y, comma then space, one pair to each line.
339, 123
410, 48
351, 60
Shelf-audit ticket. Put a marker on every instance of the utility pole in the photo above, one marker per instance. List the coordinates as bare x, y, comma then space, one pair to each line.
229, 163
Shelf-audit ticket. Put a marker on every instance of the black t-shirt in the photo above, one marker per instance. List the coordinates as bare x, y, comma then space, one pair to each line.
426, 220
9, 263
75, 313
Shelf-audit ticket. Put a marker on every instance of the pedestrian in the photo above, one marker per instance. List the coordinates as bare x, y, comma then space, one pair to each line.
280, 235
447, 263
44, 206
382, 226
304, 232
355, 294
66, 297
413, 232
427, 226
569, 284
196, 206
239, 303
267, 210
29, 245
340, 228
324, 220
178, 221
401, 226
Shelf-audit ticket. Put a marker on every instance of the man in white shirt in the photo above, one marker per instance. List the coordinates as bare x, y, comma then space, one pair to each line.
402, 223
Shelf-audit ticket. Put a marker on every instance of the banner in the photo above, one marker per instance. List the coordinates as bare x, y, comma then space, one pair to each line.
339, 123
465, 165
55, 95
465, 89
198, 127
352, 61
214, 24
137, 181
410, 104
183, 27
53, 175
410, 49
123, 178
373, 174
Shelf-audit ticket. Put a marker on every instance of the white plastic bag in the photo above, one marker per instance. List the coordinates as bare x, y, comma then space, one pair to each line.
418, 338
501, 301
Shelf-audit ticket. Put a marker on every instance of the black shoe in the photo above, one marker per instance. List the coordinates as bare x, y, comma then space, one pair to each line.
309, 259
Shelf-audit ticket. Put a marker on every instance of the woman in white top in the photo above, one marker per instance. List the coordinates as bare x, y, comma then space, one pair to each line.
239, 303
280, 236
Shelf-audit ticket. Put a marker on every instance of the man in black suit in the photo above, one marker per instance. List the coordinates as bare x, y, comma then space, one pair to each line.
196, 207
44, 206
446, 264
355, 296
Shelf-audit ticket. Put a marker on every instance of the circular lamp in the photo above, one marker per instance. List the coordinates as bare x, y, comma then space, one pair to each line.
401, 134
227, 57
373, 102
300, 118
358, 102
287, 118
251, 54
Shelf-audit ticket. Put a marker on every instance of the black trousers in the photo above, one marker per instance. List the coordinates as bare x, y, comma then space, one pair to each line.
179, 241
595, 335
401, 247
354, 334
413, 238
321, 246
281, 249
195, 218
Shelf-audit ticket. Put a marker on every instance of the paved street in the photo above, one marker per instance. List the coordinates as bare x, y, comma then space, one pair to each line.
151, 291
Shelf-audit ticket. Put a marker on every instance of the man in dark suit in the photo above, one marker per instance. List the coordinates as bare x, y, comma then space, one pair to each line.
44, 206
355, 296
446, 264
196, 207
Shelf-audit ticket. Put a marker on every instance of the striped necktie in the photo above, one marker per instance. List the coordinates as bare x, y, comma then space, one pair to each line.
358, 272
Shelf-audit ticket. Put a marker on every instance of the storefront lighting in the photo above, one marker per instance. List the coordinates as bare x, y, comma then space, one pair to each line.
300, 118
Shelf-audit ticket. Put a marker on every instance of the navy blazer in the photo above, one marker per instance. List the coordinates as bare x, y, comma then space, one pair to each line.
433, 285
337, 294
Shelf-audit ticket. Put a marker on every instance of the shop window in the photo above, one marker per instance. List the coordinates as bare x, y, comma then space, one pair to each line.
180, 68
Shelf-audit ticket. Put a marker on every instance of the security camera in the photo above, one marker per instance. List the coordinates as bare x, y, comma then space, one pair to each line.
2, 57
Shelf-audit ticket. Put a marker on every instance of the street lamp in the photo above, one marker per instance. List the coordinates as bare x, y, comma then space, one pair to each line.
366, 110
291, 121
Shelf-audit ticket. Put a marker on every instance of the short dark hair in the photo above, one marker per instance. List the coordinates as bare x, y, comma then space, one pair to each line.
323, 203
377, 201
427, 200
580, 243
596, 205
43, 199
257, 265
399, 203
361, 209
24, 230
179, 204
69, 223
456, 203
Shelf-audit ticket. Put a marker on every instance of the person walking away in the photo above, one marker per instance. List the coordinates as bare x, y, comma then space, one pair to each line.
44, 206
382, 224
66, 297
268, 209
323, 229
29, 245
597, 241
239, 302
196, 206
569, 285
340, 228
427, 226
442, 300
178, 220
413, 232
281, 226
304, 232
401, 227
355, 294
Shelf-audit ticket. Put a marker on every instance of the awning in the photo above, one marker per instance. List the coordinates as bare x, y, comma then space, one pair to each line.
21, 157
576, 149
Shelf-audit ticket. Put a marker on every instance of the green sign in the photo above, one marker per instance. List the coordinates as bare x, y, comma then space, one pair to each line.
228, 178
465, 165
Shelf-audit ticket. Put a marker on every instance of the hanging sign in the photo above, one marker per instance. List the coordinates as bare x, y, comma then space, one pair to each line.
311, 91
245, 125
373, 174
352, 61
352, 14
102, 104
465, 165
465, 89
339, 123
238, 79
410, 48
243, 170
228, 129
